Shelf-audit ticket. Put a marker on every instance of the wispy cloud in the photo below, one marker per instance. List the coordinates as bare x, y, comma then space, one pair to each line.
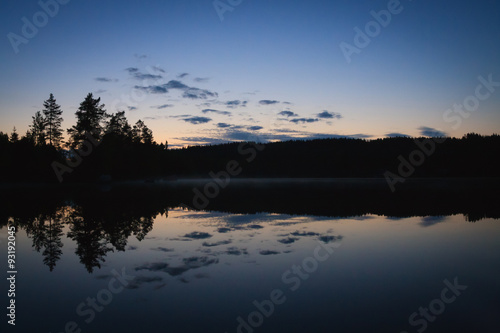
268, 102
197, 120
183, 75
131, 108
136, 74
396, 135
225, 113
158, 69
304, 120
140, 56
432, 132
105, 79
164, 106
196, 93
329, 115
288, 114
235, 103
201, 79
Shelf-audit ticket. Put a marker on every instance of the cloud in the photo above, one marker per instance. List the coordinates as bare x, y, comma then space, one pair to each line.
304, 120
429, 221
164, 106
288, 114
163, 249
432, 132
140, 56
132, 70
142, 76
174, 84
233, 133
268, 252
197, 120
223, 125
288, 240
183, 75
396, 135
136, 74
235, 103
223, 242
255, 128
201, 79
304, 233
234, 251
288, 103
131, 108
158, 69
105, 79
329, 115
100, 91
196, 93
225, 113
268, 102
198, 235
328, 239
189, 92
188, 264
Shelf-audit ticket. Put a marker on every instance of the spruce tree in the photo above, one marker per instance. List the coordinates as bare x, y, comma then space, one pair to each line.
37, 131
53, 119
90, 119
14, 137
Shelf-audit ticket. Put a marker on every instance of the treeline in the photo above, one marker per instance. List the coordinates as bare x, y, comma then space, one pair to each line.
473, 155
98, 144
102, 146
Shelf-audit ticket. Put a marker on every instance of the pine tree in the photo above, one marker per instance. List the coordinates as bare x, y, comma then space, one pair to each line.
141, 133
118, 125
53, 120
90, 118
14, 137
37, 131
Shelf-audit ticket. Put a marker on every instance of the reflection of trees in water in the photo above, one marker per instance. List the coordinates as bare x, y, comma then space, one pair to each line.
95, 231
102, 221
46, 232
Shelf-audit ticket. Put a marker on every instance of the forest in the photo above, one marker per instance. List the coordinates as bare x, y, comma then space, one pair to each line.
105, 147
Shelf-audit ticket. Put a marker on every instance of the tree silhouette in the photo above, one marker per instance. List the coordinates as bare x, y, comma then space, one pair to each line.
90, 118
14, 137
141, 133
46, 231
53, 120
118, 125
37, 131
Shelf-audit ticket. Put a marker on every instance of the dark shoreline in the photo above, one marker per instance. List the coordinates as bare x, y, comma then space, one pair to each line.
476, 198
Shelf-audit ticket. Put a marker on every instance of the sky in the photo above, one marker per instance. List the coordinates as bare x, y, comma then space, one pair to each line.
206, 72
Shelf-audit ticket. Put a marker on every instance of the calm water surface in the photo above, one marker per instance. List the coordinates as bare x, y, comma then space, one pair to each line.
182, 270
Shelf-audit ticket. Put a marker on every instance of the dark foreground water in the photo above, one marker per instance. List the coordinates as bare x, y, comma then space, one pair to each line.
331, 256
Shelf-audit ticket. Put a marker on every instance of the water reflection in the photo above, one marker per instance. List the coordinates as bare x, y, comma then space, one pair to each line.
100, 222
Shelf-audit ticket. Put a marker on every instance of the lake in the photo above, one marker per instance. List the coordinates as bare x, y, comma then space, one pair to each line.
307, 255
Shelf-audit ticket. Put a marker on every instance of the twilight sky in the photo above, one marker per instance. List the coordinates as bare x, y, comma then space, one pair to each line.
199, 71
